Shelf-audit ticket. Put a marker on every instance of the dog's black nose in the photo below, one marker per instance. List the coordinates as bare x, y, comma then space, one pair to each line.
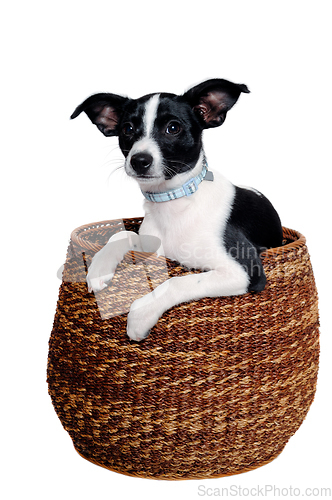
141, 162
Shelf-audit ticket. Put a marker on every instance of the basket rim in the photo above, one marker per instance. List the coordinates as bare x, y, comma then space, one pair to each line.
77, 236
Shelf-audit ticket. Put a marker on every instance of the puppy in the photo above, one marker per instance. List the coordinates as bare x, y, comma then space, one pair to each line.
202, 220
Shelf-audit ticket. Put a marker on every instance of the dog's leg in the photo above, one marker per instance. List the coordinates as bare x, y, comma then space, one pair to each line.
104, 262
228, 279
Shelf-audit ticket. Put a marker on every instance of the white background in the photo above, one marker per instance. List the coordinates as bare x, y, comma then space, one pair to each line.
55, 176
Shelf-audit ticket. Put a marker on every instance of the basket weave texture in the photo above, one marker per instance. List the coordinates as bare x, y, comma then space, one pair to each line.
218, 387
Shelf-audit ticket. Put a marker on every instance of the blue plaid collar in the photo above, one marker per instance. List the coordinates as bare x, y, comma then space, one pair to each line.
187, 189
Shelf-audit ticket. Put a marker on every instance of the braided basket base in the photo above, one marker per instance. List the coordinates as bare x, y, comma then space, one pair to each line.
218, 387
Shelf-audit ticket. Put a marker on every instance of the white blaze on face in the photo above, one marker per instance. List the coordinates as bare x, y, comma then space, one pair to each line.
151, 108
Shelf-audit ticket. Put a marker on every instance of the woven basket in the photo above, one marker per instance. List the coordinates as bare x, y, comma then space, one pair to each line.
218, 387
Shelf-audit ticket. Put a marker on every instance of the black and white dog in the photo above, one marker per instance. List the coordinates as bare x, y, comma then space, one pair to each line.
202, 219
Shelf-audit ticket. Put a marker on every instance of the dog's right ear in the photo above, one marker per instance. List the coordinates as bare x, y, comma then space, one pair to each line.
211, 100
104, 110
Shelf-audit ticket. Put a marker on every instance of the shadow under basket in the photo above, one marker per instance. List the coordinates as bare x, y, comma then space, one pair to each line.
218, 387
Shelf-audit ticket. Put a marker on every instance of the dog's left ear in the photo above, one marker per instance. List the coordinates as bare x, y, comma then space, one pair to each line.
211, 100
104, 110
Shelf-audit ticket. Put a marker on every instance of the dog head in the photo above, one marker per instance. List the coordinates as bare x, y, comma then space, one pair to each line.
160, 135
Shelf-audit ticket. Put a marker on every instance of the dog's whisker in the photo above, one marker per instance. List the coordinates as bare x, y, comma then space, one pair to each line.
173, 171
111, 162
180, 162
111, 150
113, 172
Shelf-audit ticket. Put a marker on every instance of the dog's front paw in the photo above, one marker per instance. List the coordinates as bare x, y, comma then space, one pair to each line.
100, 272
141, 318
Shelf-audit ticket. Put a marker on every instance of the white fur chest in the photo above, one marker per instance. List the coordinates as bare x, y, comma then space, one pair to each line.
191, 228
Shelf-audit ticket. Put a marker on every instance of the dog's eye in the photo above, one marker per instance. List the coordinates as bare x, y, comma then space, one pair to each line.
128, 129
173, 128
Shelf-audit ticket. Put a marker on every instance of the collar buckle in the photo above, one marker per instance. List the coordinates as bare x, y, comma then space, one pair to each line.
190, 187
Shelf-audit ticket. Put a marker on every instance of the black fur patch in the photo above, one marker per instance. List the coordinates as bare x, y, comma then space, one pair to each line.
245, 253
256, 217
181, 152
253, 226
